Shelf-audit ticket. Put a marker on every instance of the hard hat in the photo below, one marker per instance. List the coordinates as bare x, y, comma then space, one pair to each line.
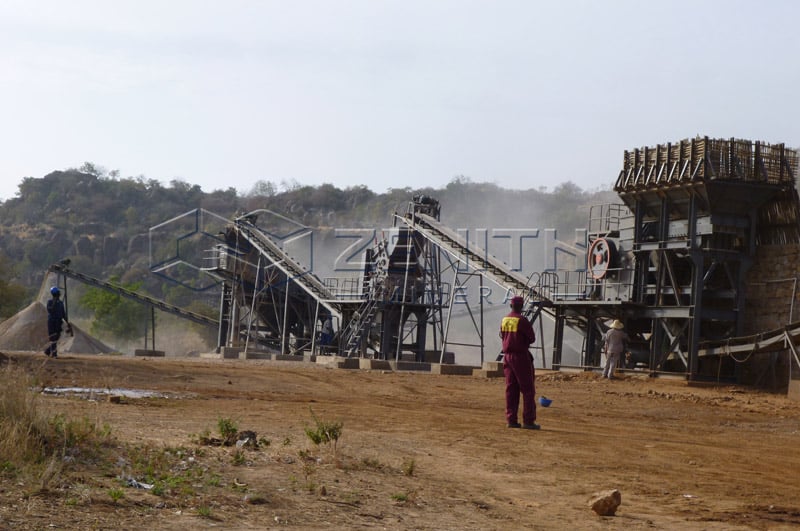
55, 291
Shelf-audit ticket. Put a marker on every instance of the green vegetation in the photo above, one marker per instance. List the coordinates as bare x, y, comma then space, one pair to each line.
408, 467
401, 497
12, 295
324, 432
228, 429
239, 458
114, 315
116, 494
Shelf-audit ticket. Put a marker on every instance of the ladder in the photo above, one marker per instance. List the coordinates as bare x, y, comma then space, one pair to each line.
359, 326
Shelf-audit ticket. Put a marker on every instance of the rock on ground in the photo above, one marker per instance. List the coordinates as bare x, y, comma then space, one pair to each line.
606, 503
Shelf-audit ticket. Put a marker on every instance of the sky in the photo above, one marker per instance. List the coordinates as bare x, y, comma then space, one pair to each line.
385, 93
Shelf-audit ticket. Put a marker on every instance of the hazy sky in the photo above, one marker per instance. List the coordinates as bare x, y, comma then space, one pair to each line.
387, 93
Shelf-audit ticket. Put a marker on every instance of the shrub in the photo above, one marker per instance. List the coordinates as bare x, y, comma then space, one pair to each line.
228, 429
324, 432
116, 494
408, 467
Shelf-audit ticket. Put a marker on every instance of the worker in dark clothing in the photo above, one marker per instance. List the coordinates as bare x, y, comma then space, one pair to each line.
517, 334
56, 313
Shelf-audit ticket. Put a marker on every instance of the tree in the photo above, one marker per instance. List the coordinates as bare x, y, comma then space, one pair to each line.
12, 295
92, 169
263, 188
114, 315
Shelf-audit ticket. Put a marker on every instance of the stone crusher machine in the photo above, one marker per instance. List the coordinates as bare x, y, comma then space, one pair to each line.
674, 256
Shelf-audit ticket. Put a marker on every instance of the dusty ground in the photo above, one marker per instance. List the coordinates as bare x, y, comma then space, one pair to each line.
417, 451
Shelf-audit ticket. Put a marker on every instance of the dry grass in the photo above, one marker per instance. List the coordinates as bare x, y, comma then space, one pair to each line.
23, 428
33, 444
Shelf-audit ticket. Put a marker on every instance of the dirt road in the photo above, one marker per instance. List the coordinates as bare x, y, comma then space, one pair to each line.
416, 451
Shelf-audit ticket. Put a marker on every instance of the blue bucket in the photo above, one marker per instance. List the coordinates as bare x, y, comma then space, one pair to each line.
544, 402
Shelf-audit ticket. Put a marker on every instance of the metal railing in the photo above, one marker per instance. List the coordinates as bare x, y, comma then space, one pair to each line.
565, 285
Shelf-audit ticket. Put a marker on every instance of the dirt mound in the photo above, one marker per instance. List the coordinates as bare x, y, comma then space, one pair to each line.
27, 330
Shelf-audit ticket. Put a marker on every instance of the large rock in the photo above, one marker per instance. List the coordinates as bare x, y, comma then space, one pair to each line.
112, 248
606, 503
138, 243
84, 247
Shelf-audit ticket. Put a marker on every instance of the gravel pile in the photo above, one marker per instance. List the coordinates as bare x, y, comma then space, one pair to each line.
27, 330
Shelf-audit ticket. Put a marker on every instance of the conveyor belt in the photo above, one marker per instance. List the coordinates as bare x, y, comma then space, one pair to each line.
449, 241
770, 341
128, 294
293, 270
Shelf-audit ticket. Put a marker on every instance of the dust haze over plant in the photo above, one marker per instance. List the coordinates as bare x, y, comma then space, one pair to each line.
90, 210
518, 227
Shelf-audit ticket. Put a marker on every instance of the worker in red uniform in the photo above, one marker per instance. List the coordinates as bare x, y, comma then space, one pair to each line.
517, 334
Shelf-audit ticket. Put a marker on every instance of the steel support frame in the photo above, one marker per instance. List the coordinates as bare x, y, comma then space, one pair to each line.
676, 305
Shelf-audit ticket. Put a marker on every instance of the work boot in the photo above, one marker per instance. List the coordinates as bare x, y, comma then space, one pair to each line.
514, 425
533, 426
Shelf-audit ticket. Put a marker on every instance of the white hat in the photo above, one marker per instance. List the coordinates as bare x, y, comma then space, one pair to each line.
617, 325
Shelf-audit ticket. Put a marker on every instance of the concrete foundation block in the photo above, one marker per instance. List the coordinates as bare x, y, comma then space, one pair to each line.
140, 352
490, 369
461, 370
287, 357
410, 366
794, 390
483, 373
338, 362
256, 355
231, 353
364, 363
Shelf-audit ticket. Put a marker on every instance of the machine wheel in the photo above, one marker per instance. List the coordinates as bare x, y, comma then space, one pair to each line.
600, 257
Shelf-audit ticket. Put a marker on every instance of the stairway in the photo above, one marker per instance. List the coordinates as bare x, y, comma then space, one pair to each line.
359, 326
